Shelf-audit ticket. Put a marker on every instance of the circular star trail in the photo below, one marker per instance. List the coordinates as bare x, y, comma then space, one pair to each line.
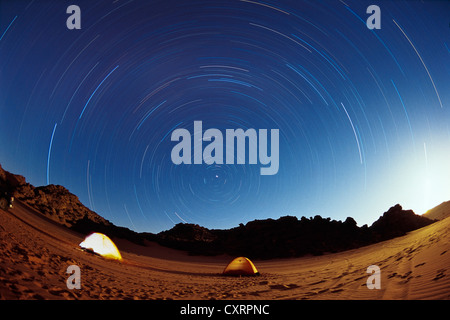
363, 114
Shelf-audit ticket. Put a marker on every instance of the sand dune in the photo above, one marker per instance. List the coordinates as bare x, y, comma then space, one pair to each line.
439, 212
36, 251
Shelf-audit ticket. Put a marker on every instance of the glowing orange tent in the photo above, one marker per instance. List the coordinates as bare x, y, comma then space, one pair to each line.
102, 245
241, 266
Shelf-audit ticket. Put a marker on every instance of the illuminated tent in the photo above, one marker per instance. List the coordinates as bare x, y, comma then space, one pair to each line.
241, 266
102, 245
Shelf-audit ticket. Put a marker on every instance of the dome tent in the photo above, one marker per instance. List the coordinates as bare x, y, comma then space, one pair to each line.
241, 266
102, 245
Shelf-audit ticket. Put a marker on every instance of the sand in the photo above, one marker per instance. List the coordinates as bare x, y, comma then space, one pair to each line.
35, 253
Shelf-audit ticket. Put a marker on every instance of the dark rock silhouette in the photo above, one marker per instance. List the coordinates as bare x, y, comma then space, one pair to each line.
193, 238
287, 236
397, 222
291, 237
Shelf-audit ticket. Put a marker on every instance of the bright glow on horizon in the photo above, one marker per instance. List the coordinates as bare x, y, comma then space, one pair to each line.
424, 182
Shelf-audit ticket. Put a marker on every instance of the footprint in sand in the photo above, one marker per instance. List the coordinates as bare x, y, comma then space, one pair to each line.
419, 265
440, 274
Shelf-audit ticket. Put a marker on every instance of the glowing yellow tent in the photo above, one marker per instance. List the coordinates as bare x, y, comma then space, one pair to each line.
241, 266
102, 245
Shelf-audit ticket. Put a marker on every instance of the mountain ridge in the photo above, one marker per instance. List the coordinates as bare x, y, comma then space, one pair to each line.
287, 236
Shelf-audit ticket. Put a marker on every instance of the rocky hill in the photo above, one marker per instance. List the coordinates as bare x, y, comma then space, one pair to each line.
60, 205
292, 237
57, 203
396, 222
265, 239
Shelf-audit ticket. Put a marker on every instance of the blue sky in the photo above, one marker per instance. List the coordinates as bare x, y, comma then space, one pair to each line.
363, 114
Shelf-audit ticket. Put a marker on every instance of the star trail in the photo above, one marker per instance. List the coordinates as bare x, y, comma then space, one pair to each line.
363, 114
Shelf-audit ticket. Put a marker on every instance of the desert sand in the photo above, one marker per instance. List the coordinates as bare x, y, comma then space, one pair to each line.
35, 253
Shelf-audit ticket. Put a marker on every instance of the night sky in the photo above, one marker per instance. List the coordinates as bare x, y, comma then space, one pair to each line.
363, 115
